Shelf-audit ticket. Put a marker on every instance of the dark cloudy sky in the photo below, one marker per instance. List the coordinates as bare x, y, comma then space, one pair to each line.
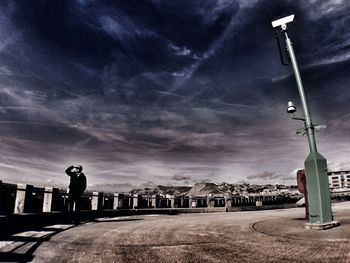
171, 92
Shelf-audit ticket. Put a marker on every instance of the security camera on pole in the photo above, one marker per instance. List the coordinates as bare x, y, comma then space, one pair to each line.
320, 211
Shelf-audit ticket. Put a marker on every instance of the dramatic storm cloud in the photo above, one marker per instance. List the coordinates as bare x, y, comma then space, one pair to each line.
169, 92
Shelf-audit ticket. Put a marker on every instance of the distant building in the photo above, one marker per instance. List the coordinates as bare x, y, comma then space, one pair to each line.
339, 180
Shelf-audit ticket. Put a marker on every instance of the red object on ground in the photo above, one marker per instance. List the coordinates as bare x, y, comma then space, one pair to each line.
301, 179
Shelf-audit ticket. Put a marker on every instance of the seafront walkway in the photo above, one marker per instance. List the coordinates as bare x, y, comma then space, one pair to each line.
249, 236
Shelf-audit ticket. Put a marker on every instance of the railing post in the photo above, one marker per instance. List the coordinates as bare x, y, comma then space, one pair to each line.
193, 202
172, 200
135, 201
47, 199
20, 198
181, 201
94, 201
154, 201
101, 201
121, 202
234, 201
130, 201
211, 202
149, 201
228, 201
116, 201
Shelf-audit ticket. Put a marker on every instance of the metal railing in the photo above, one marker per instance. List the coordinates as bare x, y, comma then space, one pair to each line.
23, 198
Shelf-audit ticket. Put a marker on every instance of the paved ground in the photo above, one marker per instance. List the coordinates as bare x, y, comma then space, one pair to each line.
259, 236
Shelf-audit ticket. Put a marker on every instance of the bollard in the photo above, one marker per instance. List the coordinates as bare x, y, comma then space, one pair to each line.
20, 198
94, 201
47, 199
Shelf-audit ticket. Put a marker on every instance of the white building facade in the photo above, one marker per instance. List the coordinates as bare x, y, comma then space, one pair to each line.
339, 180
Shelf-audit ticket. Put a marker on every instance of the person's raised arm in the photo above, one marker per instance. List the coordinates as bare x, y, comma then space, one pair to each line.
69, 170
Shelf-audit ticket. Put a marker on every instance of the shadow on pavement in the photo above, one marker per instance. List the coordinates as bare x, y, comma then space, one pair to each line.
20, 247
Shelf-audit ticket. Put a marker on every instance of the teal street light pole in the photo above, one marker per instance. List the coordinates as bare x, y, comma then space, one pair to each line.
320, 211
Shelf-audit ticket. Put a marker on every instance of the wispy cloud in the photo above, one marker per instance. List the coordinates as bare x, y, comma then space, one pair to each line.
318, 9
264, 176
121, 27
181, 177
180, 51
8, 33
237, 19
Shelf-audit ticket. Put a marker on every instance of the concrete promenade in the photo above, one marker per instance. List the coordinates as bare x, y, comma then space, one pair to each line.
250, 236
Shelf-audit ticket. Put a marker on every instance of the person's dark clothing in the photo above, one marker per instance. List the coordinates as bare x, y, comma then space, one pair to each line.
77, 187
77, 184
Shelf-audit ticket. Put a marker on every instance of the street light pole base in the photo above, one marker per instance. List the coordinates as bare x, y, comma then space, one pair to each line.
322, 226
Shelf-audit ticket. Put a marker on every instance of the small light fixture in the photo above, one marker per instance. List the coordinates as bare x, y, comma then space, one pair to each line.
291, 107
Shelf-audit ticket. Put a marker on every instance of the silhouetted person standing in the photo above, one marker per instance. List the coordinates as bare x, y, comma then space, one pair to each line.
76, 187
